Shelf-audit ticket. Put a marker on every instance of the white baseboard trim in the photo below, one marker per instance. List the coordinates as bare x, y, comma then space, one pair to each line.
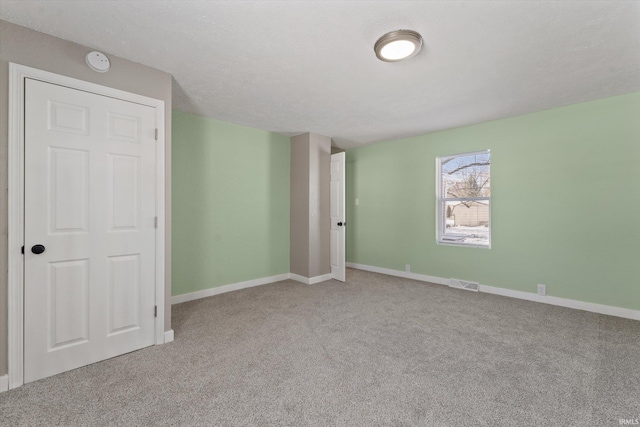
168, 336
4, 383
311, 280
610, 310
529, 296
177, 299
398, 273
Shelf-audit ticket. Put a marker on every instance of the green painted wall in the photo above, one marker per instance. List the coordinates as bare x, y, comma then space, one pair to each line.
565, 203
230, 190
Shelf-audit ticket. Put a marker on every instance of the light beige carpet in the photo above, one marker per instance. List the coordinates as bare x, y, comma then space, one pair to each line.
376, 350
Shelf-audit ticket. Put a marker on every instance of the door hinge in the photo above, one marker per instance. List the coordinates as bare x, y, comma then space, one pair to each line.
156, 136
22, 250
155, 311
155, 222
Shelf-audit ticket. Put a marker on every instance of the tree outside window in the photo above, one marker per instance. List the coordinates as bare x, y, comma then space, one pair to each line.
464, 199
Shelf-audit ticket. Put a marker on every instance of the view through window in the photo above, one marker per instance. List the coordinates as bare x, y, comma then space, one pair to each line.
464, 199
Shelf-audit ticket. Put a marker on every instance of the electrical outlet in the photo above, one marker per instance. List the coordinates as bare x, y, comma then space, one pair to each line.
542, 289
407, 268
357, 202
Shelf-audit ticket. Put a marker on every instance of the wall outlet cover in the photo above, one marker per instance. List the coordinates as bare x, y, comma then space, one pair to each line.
542, 289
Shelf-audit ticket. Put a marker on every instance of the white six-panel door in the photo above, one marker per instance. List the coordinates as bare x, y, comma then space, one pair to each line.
338, 218
90, 201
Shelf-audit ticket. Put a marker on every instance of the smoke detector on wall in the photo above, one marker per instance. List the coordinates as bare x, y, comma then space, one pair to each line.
98, 62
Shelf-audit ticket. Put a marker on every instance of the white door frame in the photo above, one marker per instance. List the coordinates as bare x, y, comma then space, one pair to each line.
17, 76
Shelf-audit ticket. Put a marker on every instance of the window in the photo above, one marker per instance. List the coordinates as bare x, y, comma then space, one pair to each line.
464, 199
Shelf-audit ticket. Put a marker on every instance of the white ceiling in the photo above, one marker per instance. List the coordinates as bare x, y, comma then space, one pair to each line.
300, 66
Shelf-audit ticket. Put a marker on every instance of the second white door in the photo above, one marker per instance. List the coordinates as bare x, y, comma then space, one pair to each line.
89, 228
338, 218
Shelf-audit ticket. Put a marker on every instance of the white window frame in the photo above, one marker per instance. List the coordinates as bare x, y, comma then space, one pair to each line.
440, 201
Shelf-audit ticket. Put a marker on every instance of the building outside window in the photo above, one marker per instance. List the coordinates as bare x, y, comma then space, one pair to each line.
464, 199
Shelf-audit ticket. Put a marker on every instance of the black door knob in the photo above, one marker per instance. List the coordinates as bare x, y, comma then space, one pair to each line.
37, 249
339, 224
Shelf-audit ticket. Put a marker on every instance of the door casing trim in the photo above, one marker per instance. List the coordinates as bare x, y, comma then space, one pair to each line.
17, 75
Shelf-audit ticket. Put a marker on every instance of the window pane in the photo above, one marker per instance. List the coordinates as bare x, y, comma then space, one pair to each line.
466, 176
466, 222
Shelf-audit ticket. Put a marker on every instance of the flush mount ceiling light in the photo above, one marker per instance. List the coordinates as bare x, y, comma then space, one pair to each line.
398, 45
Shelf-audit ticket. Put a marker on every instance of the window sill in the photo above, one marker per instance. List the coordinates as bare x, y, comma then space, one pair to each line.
465, 245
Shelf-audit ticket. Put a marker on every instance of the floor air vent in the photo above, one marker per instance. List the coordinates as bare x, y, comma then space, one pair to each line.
463, 284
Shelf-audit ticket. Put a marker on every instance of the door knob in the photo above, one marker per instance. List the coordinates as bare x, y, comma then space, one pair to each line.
37, 249
339, 224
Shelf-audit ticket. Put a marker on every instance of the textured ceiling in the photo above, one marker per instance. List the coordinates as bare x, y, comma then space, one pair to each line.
300, 66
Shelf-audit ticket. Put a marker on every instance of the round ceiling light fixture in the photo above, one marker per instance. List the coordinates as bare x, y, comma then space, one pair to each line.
398, 45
